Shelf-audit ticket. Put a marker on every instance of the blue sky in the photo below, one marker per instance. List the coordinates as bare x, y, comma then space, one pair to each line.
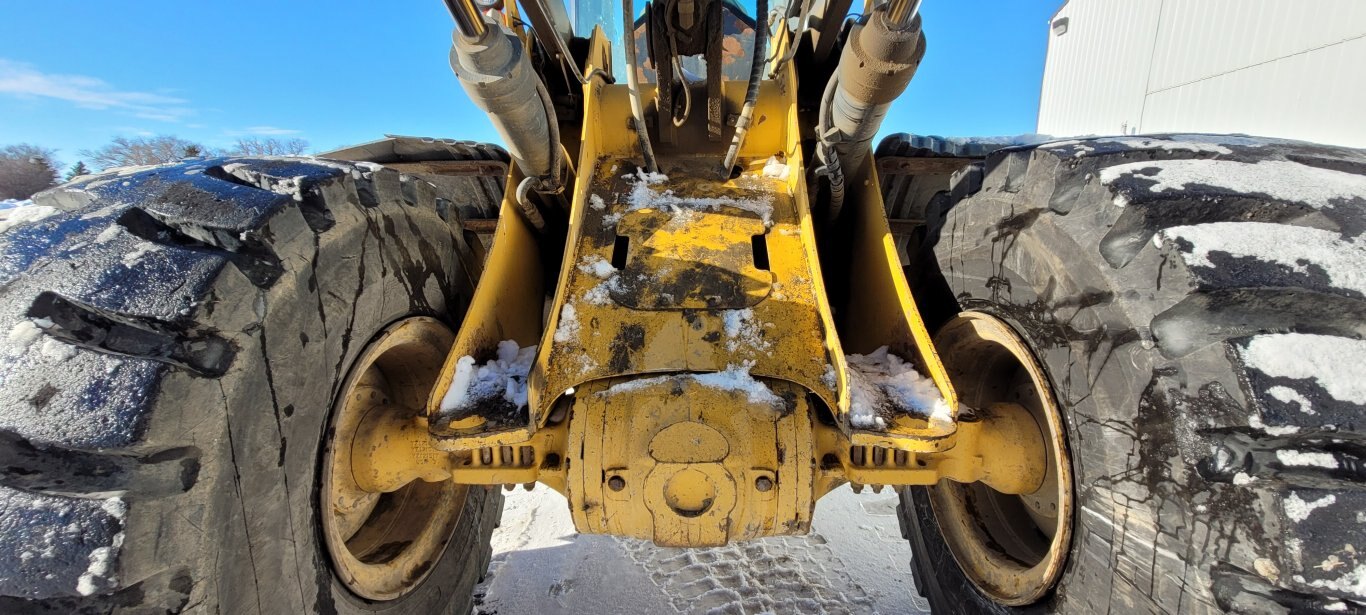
74, 74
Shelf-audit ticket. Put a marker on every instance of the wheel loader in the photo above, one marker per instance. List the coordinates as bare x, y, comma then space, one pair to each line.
1104, 375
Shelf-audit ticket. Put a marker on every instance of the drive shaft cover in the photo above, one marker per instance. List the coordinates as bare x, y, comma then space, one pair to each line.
691, 460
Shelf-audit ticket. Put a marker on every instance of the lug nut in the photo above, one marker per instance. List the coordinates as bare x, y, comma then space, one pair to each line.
763, 483
616, 483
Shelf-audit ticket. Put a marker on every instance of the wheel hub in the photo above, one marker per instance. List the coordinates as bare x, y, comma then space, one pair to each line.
1012, 547
384, 533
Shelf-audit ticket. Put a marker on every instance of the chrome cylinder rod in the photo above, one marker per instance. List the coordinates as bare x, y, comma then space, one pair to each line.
467, 19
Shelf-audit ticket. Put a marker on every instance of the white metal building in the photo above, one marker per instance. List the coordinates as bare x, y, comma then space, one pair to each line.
1278, 68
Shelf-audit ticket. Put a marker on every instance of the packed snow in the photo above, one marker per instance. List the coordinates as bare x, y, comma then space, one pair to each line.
645, 196
1294, 247
57, 351
504, 376
743, 331
1290, 457
1354, 582
881, 383
568, 328
1291, 396
597, 266
853, 561
107, 235
1279, 179
15, 213
735, 379
1333, 362
289, 186
1180, 144
142, 249
1298, 510
1255, 421
602, 293
100, 569
776, 169
22, 335
99, 574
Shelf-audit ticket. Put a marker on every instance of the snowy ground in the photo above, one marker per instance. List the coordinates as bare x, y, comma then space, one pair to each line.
854, 561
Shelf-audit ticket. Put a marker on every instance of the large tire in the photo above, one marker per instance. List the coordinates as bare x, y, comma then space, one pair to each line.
1198, 303
175, 337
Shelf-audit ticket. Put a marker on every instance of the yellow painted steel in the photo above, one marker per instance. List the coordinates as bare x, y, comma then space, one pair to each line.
882, 312
507, 305
673, 460
690, 385
1004, 449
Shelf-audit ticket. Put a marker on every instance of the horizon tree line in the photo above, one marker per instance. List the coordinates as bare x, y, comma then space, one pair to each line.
26, 169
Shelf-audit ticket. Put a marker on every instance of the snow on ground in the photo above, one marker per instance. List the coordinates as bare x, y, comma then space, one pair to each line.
854, 561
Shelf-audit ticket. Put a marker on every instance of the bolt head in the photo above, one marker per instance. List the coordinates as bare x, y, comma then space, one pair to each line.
616, 483
763, 483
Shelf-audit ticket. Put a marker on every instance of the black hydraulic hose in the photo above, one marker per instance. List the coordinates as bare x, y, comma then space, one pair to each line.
562, 50
756, 74
554, 183
633, 86
826, 150
557, 152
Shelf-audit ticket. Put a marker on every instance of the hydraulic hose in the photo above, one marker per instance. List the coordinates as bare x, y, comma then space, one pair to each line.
830, 160
633, 86
756, 74
562, 50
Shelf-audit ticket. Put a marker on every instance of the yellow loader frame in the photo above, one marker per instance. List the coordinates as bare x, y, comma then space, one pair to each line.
622, 418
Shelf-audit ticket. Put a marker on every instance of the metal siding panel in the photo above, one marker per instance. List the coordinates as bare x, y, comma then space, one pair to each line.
1311, 99
1200, 39
1288, 68
1095, 73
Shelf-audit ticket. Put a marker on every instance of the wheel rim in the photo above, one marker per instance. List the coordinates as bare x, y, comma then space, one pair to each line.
1011, 547
383, 545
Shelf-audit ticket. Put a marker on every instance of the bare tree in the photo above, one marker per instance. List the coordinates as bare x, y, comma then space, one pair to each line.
126, 152
255, 146
26, 169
